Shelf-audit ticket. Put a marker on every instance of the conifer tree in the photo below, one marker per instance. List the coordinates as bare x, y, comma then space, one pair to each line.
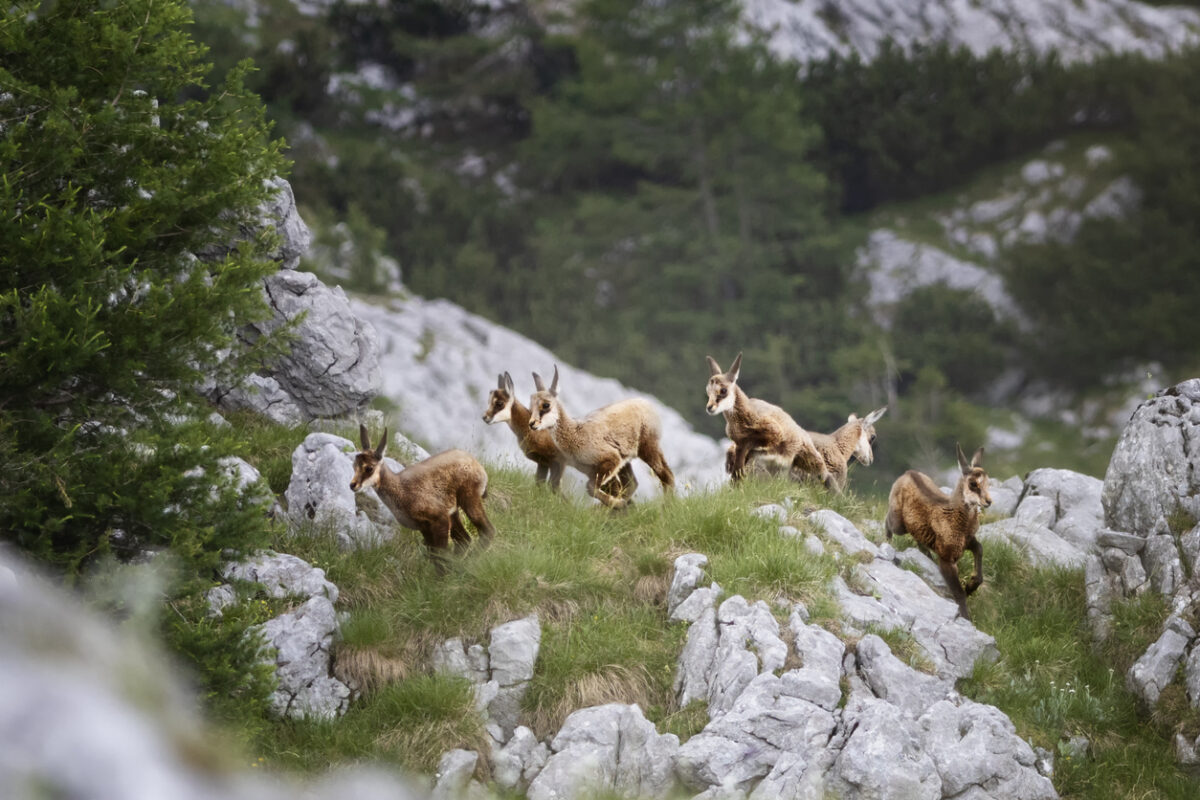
132, 251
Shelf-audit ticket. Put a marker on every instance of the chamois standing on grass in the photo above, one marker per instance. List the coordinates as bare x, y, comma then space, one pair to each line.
602, 444
755, 424
538, 446
946, 525
428, 495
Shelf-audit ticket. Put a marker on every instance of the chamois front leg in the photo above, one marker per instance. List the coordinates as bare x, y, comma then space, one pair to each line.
950, 574
736, 463
543, 471
458, 533
976, 580
556, 472
436, 533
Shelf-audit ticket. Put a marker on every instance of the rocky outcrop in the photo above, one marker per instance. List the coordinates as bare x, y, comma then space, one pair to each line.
900, 733
331, 367
501, 674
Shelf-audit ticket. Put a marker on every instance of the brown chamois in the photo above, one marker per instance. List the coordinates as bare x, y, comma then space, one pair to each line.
602, 444
754, 424
428, 495
945, 525
538, 446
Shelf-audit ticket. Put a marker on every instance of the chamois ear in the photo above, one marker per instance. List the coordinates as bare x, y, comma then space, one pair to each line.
507, 384
554, 383
713, 367
364, 437
874, 416
852, 417
962, 459
382, 444
500, 381
537, 383
734, 369
977, 459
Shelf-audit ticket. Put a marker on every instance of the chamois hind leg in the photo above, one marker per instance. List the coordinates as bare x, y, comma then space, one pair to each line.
472, 505
543, 471
624, 485
602, 474
893, 524
652, 454
975, 580
458, 533
950, 573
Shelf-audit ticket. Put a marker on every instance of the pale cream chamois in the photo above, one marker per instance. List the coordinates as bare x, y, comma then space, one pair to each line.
428, 495
602, 444
538, 446
945, 525
755, 424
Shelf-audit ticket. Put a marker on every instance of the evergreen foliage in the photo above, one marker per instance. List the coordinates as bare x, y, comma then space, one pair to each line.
129, 216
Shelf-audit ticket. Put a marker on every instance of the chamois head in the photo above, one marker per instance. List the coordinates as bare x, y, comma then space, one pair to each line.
866, 437
974, 480
500, 401
543, 405
368, 463
721, 385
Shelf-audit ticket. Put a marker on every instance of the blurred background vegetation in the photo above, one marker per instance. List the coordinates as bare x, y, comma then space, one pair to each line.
635, 204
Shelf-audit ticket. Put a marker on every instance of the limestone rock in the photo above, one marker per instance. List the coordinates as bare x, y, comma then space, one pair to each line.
1037, 543
689, 570
302, 640
1151, 475
319, 489
454, 776
843, 532
1151, 673
1078, 511
1005, 496
282, 575
520, 760
607, 748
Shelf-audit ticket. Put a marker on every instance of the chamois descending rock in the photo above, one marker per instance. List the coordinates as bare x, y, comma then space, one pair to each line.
944, 524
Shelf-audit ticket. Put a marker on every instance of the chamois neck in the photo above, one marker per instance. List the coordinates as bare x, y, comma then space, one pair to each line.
846, 437
565, 429
741, 401
518, 420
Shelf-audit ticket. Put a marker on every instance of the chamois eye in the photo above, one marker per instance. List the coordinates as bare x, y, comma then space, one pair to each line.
722, 393
545, 407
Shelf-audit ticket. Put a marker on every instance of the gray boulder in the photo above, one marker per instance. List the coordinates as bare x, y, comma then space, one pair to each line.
517, 763
843, 532
892, 680
1005, 496
1151, 673
688, 572
611, 748
1078, 511
282, 575
1037, 543
884, 758
319, 490
512, 652
301, 640
454, 779
1152, 473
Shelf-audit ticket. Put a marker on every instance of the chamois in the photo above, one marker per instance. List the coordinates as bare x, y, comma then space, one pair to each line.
538, 446
852, 440
602, 444
947, 525
755, 424
428, 495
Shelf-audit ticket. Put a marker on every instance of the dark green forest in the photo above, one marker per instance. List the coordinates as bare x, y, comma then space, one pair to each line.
640, 185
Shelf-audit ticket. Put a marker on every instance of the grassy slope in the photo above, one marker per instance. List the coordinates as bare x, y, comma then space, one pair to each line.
598, 582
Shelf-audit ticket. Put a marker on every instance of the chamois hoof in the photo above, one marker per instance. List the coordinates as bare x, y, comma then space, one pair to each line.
971, 584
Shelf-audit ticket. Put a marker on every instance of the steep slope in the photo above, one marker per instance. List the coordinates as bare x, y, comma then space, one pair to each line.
439, 362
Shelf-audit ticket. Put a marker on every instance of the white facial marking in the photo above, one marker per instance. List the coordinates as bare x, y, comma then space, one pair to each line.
548, 420
863, 451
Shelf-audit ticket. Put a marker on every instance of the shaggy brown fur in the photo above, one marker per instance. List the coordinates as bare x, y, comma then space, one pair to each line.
428, 495
602, 444
945, 525
754, 424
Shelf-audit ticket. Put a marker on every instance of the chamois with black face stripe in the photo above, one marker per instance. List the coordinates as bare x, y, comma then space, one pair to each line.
756, 425
944, 524
853, 440
602, 444
428, 495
